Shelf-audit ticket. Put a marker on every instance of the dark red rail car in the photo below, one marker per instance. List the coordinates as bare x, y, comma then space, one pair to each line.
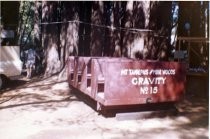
124, 81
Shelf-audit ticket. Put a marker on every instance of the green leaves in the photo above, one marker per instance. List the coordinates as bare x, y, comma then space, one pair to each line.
26, 23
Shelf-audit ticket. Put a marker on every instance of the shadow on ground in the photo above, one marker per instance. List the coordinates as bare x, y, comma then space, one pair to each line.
187, 119
195, 106
12, 84
36, 92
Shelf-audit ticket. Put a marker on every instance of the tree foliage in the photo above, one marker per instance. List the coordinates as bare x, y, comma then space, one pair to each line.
26, 23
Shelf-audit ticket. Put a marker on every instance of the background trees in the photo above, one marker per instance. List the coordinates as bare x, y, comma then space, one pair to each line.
141, 30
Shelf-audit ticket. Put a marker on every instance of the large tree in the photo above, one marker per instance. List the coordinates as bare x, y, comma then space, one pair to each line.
136, 29
97, 29
160, 23
147, 30
26, 23
50, 37
129, 29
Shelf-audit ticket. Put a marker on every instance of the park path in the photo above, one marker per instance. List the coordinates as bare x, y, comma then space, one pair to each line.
46, 109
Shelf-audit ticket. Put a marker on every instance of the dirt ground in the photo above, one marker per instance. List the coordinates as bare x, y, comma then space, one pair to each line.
49, 109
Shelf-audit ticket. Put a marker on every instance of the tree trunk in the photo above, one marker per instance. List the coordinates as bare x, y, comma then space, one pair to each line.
50, 38
134, 36
161, 23
127, 36
132, 41
97, 31
116, 34
140, 48
71, 17
69, 33
107, 14
37, 40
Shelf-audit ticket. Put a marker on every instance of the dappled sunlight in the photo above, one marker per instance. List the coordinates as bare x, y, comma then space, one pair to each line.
193, 105
42, 107
158, 128
71, 39
37, 93
53, 62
